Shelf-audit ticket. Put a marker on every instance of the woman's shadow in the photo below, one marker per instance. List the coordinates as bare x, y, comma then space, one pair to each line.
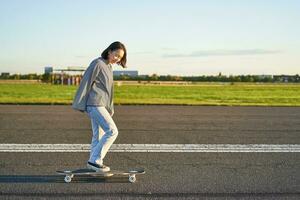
60, 179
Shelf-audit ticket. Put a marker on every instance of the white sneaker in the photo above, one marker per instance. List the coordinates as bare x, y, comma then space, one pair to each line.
97, 167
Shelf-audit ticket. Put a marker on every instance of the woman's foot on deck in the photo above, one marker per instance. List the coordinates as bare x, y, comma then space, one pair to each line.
97, 167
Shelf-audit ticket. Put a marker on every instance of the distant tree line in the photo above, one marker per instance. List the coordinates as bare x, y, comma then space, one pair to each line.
218, 78
33, 76
155, 77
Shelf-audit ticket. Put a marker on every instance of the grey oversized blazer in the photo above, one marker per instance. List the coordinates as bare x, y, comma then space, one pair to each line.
96, 87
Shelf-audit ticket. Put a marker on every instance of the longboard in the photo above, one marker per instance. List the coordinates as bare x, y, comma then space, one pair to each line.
69, 174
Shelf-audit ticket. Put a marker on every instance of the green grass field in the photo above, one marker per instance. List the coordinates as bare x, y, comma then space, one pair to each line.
200, 94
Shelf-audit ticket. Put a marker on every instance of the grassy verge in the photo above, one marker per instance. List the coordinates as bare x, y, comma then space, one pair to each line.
200, 94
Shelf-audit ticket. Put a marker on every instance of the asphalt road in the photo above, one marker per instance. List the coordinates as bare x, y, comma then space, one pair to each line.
168, 175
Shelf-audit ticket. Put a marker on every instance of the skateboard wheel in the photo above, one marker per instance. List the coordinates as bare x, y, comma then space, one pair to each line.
132, 178
68, 179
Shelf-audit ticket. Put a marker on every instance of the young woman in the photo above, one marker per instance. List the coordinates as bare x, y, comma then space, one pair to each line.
95, 97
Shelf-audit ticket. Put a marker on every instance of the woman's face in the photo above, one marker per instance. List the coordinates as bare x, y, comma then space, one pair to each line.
115, 56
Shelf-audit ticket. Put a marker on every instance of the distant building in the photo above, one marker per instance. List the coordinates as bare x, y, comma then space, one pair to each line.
48, 70
72, 69
71, 75
4, 74
128, 73
287, 78
265, 76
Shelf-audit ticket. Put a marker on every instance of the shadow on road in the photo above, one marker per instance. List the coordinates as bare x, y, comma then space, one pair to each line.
59, 179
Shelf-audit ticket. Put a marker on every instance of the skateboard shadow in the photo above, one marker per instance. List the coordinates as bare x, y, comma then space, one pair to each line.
60, 179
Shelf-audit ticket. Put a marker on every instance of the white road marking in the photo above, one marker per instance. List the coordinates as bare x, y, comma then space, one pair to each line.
185, 148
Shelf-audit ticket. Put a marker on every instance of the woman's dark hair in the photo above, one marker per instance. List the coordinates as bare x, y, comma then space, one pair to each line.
114, 46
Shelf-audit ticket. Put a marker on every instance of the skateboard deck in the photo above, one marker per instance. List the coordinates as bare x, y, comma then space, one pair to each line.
69, 174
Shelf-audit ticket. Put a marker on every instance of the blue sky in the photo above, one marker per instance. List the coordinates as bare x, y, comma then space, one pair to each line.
187, 37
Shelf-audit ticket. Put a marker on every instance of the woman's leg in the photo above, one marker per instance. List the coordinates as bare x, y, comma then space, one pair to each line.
101, 117
97, 133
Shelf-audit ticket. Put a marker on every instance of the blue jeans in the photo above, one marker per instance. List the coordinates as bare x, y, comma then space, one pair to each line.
105, 132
